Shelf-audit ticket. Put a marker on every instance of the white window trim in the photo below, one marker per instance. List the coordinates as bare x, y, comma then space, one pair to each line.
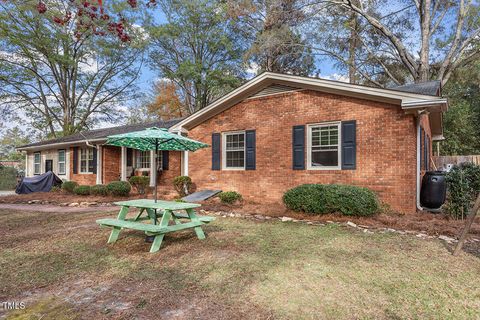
80, 161
309, 145
136, 156
224, 150
64, 162
39, 163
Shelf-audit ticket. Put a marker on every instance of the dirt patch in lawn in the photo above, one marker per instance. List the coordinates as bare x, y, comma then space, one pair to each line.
433, 224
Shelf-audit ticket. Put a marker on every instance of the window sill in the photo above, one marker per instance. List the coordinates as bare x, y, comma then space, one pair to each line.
233, 169
324, 168
85, 173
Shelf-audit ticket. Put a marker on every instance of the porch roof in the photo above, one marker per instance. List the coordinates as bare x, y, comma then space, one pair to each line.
96, 135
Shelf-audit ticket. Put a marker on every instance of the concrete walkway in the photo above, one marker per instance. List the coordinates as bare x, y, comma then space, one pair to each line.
54, 208
6, 193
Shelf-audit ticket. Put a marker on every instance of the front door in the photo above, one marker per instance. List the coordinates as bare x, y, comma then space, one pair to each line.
48, 165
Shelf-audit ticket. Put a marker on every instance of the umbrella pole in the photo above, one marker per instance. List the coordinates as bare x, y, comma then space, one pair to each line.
150, 239
155, 166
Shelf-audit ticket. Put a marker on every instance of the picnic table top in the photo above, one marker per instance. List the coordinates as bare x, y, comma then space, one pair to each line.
160, 204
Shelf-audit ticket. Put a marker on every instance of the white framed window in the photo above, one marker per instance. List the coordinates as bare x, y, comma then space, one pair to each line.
61, 162
233, 150
144, 159
324, 151
37, 163
86, 160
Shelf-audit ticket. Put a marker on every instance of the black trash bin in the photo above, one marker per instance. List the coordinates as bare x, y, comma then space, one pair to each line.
434, 190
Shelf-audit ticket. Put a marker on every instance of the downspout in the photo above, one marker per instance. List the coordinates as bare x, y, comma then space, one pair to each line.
419, 115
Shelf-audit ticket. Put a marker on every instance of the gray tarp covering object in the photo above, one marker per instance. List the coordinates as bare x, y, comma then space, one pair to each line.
40, 183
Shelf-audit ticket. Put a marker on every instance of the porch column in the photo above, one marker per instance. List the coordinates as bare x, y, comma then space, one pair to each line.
153, 169
99, 164
27, 170
185, 163
123, 164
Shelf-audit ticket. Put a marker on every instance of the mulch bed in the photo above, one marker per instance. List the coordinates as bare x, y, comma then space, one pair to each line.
432, 224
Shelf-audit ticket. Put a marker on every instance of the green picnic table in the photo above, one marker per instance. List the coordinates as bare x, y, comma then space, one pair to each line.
166, 210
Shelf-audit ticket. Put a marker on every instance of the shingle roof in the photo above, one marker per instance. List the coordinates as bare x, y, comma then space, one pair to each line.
103, 133
431, 88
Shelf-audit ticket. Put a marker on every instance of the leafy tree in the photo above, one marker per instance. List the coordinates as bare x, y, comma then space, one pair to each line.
62, 71
12, 138
415, 36
197, 49
166, 103
272, 28
462, 120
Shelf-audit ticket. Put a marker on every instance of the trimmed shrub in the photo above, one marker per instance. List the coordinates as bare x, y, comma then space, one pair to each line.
68, 186
99, 190
140, 183
82, 190
463, 186
229, 196
182, 185
322, 199
119, 188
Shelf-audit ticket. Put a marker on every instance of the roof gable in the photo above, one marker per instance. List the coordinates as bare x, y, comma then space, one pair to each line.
274, 82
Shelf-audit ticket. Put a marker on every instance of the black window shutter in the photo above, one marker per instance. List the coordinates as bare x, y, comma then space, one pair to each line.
298, 146
93, 165
129, 157
215, 151
75, 160
165, 155
349, 145
250, 150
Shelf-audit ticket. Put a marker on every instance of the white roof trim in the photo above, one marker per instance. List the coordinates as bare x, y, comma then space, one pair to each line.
59, 144
404, 99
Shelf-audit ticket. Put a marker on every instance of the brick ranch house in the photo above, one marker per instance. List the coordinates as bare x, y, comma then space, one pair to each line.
275, 132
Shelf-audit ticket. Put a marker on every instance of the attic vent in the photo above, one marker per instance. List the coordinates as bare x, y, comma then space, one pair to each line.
272, 89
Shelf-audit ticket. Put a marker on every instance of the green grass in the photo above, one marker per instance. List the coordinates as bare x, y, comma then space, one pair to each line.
243, 270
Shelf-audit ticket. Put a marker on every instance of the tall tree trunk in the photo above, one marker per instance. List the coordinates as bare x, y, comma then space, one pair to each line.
352, 47
424, 66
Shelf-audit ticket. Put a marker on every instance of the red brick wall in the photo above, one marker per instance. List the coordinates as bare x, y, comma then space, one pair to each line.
174, 170
386, 147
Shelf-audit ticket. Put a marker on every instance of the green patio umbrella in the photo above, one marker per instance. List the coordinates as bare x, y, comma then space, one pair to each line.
155, 139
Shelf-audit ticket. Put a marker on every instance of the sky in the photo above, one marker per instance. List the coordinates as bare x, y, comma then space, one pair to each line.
148, 76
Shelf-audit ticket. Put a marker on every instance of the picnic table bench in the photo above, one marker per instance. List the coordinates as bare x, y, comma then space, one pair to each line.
167, 210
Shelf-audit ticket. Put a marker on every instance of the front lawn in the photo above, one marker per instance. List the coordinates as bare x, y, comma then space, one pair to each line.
61, 267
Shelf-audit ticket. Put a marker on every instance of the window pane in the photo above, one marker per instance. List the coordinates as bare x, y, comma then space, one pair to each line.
235, 159
61, 156
325, 158
61, 167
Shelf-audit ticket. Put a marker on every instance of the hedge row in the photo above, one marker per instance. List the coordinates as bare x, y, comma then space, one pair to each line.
322, 199
115, 188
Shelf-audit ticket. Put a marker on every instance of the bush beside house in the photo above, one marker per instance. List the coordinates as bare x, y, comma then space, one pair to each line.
82, 190
322, 199
69, 186
230, 197
463, 186
99, 190
182, 185
140, 183
119, 188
